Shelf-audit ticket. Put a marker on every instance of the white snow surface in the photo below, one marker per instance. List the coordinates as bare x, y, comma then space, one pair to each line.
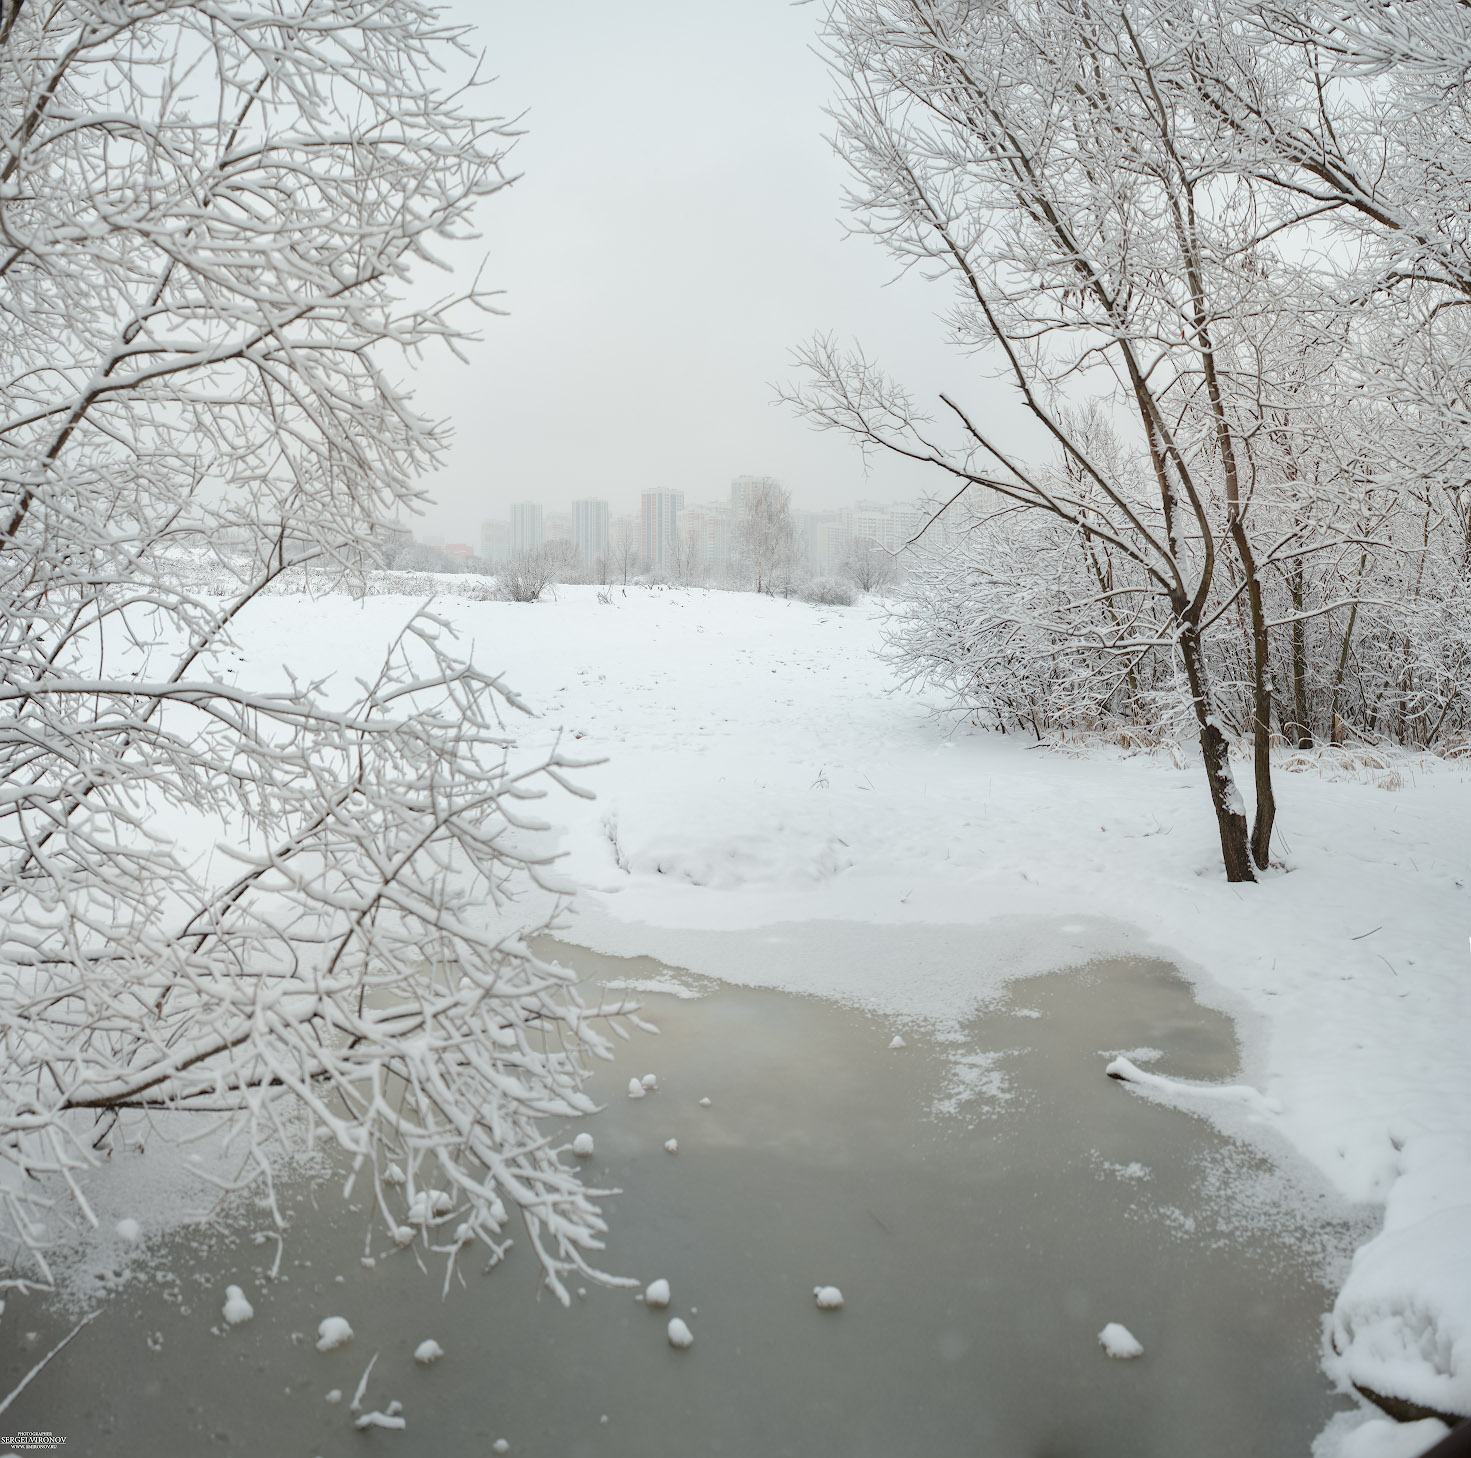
1118, 1341
772, 812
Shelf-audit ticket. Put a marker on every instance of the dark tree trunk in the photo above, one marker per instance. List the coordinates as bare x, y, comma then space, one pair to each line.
1303, 728
1225, 798
1261, 695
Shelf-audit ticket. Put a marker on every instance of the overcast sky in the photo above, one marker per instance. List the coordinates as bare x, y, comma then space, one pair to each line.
676, 231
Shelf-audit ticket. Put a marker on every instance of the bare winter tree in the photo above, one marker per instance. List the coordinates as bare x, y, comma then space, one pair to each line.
208, 212
1042, 157
869, 567
623, 555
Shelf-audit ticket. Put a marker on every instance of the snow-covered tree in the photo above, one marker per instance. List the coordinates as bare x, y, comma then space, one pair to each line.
209, 213
765, 543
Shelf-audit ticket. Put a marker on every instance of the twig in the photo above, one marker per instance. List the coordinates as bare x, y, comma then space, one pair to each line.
26, 1380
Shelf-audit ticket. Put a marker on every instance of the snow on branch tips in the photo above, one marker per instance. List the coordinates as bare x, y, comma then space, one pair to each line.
272, 905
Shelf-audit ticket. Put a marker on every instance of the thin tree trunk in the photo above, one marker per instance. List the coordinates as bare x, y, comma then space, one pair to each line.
1261, 695
1225, 798
1303, 735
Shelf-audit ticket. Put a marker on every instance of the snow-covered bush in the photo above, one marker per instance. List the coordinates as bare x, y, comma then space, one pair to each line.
828, 592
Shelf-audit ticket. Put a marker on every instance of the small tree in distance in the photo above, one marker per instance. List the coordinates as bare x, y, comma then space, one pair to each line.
765, 542
869, 567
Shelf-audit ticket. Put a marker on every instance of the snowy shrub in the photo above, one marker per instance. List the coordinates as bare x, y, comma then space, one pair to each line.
829, 592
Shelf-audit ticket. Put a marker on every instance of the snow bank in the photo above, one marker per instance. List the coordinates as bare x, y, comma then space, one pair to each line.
1401, 1325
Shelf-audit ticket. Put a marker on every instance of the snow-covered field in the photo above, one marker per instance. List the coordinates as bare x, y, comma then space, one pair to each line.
762, 772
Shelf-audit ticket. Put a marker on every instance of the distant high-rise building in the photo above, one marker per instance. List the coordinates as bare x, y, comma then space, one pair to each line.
495, 540
658, 523
708, 529
527, 532
742, 488
590, 531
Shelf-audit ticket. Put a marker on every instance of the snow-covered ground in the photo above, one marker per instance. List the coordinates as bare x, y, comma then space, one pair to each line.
763, 775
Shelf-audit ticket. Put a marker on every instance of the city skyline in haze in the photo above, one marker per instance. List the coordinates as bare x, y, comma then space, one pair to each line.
674, 233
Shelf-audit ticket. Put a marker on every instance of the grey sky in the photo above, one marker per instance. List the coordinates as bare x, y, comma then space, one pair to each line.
675, 232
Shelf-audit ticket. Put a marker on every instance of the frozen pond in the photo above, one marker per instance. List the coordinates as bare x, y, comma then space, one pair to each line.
986, 1206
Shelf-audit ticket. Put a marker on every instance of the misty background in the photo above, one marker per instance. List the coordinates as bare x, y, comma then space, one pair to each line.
675, 231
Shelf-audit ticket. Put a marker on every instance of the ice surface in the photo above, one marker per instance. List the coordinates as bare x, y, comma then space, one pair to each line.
236, 1308
333, 1332
828, 1298
428, 1351
1118, 1341
679, 1334
583, 1146
657, 1293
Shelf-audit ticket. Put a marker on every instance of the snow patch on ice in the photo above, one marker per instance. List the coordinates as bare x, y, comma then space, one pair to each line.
1118, 1341
333, 1332
583, 1146
428, 1351
657, 1293
236, 1308
679, 1334
828, 1298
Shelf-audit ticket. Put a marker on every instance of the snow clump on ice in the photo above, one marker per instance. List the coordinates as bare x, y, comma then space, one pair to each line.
236, 1308
333, 1332
500, 1446
583, 1145
658, 1293
1118, 1341
829, 1298
428, 1203
427, 1352
897, 1042
671, 1146
679, 1334
635, 1089
650, 1082
129, 1230
704, 1103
